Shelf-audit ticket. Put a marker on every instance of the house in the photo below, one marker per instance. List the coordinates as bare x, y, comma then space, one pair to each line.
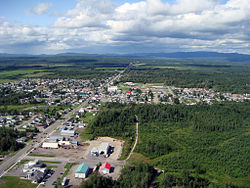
35, 171
105, 168
82, 171
50, 145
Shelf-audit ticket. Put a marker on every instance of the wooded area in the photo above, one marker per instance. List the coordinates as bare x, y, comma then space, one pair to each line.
208, 142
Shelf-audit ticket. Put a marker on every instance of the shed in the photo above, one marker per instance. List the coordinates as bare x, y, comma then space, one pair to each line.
105, 168
82, 171
52, 145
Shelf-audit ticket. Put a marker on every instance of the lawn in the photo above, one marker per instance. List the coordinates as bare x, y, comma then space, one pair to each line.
9, 182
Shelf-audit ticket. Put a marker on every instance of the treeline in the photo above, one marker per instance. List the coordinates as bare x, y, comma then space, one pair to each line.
217, 117
114, 120
201, 139
231, 79
9, 97
139, 176
8, 140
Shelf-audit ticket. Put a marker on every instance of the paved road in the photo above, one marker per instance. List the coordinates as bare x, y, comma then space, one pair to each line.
40, 138
21, 154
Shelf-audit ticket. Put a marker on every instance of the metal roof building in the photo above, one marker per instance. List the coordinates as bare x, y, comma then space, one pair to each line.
82, 171
52, 145
103, 148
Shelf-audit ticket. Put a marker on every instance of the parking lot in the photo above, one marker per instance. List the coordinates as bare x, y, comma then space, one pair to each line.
81, 154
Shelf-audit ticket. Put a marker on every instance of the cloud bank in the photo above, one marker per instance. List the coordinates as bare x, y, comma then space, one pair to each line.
100, 26
42, 8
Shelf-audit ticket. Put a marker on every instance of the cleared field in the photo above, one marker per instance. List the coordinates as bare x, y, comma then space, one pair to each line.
14, 73
9, 181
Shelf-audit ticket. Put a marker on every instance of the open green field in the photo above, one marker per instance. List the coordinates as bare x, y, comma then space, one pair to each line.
15, 68
16, 73
10, 181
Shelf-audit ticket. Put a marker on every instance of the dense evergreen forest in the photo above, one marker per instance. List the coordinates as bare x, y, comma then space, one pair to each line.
196, 146
8, 140
10, 97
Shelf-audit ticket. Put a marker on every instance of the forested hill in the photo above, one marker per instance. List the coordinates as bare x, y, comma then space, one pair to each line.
197, 146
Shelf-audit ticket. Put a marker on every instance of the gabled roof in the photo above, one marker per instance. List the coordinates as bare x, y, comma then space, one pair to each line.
106, 165
82, 168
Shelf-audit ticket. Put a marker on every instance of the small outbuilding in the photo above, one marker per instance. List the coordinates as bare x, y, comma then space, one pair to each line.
82, 171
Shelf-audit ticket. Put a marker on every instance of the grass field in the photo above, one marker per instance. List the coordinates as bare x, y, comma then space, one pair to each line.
15, 73
37, 155
18, 107
15, 182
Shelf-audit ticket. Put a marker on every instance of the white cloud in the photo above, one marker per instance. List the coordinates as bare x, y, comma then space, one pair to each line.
150, 25
87, 13
42, 8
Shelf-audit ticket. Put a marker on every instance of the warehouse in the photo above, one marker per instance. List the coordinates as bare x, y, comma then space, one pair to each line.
67, 132
82, 171
50, 145
103, 148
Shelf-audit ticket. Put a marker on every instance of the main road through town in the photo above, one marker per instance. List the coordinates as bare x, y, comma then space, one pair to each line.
10, 162
40, 138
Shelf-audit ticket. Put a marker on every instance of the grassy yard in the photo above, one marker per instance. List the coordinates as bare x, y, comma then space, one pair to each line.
9, 182
38, 155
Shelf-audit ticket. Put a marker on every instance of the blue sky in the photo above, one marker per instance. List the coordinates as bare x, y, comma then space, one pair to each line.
124, 26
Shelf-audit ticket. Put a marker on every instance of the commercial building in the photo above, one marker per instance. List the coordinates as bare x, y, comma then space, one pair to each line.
82, 171
50, 145
67, 132
103, 149
112, 89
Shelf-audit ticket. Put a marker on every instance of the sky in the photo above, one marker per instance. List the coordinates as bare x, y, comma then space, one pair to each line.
124, 26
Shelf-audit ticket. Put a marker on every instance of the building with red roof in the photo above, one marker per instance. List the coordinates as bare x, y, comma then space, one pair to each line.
105, 168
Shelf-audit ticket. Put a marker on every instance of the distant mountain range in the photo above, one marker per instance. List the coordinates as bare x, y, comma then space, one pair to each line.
181, 55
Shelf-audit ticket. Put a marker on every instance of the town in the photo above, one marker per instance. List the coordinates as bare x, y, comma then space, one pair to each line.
58, 110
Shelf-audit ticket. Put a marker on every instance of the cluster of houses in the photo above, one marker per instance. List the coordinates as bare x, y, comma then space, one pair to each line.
192, 96
128, 95
35, 171
130, 92
51, 91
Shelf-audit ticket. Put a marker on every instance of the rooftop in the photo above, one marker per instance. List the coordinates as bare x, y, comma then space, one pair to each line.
82, 168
